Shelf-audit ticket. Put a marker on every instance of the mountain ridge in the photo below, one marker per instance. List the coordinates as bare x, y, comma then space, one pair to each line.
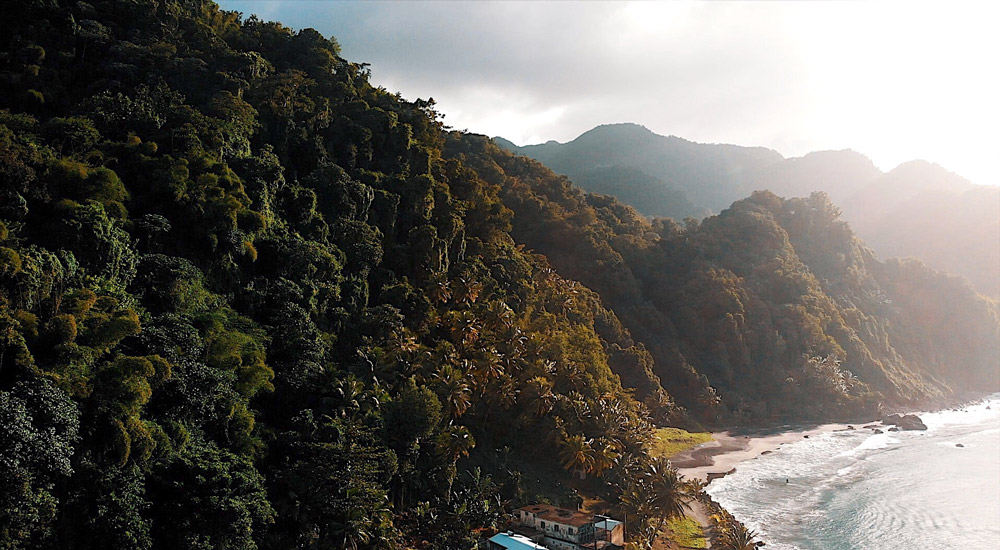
665, 176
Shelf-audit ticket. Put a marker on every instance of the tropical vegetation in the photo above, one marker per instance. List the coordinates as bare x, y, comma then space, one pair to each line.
250, 300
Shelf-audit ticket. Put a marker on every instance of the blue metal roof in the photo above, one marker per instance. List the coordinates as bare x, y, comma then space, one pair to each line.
515, 542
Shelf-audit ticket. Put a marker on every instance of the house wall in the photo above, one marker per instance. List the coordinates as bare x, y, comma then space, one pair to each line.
618, 535
556, 530
556, 544
560, 530
615, 535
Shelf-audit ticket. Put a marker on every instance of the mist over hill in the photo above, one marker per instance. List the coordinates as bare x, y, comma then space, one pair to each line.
917, 210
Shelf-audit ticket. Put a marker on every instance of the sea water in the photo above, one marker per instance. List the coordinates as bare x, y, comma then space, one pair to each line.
892, 491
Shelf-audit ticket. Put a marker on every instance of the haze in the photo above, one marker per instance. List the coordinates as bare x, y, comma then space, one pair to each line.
895, 81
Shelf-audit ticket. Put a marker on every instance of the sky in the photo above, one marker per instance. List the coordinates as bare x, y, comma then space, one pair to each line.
895, 81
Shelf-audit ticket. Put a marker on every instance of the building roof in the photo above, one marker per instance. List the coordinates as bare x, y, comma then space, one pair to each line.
554, 514
611, 524
513, 541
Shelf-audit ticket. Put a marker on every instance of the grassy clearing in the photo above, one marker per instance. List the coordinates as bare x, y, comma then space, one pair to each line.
686, 533
670, 441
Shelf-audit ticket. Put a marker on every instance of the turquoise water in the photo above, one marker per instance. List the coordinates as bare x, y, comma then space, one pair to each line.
893, 491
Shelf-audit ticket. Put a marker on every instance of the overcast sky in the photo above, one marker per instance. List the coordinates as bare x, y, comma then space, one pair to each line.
895, 81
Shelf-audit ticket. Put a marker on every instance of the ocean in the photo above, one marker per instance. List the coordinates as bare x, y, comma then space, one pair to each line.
854, 489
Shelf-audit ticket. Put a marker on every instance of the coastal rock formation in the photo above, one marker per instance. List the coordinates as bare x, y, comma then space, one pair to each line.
905, 421
717, 475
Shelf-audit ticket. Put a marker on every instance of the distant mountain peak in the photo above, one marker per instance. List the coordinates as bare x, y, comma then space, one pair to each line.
618, 131
922, 174
924, 167
504, 143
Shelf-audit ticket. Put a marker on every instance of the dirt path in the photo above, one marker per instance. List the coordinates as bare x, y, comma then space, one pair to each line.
699, 513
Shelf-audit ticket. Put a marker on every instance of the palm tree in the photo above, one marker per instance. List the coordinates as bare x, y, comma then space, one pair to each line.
611, 421
669, 492
464, 328
738, 537
655, 494
573, 375
456, 390
606, 456
467, 290
507, 391
453, 443
440, 290
353, 528
577, 453
488, 366
637, 503
499, 316
540, 390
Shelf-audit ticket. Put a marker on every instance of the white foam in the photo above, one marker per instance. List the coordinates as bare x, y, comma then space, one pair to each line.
827, 471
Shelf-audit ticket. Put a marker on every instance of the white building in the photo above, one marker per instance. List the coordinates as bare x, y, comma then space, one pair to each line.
563, 529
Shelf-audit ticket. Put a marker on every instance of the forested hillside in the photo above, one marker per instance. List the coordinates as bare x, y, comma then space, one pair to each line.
249, 300
246, 303
916, 210
771, 309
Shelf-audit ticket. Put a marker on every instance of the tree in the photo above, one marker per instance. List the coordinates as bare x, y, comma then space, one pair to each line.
576, 454
453, 443
738, 537
454, 390
669, 493
39, 427
209, 497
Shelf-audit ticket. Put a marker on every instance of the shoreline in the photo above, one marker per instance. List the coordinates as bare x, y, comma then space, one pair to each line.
720, 456
728, 448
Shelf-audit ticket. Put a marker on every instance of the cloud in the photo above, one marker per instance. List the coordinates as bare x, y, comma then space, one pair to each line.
891, 80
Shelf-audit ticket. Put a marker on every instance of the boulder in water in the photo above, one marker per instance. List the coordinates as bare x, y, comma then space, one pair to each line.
905, 421
878, 431
960, 445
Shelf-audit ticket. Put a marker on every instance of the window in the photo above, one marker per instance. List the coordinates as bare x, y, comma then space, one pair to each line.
543, 525
570, 530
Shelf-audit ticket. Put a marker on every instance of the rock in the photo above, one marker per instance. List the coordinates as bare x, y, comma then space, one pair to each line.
960, 445
878, 431
849, 427
766, 452
905, 421
717, 475
806, 436
911, 422
893, 429
871, 426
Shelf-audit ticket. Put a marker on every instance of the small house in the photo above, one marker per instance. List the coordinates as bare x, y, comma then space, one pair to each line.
564, 529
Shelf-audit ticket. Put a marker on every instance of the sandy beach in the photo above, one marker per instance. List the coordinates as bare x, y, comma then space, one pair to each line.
720, 456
